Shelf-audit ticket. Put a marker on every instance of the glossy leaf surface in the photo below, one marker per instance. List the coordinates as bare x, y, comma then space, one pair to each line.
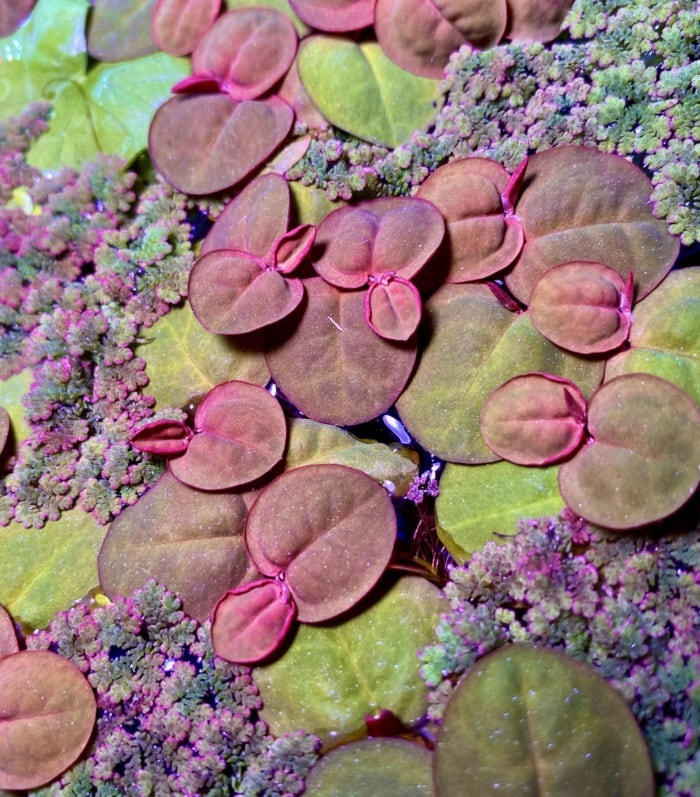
358, 89
534, 419
333, 675
48, 712
480, 239
119, 30
644, 461
582, 204
329, 530
247, 51
240, 433
8, 637
474, 347
481, 504
534, 721
582, 306
380, 767
336, 16
326, 361
219, 150
188, 540
177, 25
250, 622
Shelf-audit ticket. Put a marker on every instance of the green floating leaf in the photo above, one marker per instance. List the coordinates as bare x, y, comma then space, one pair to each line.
475, 346
184, 360
532, 721
45, 570
665, 334
333, 675
377, 767
478, 502
12, 391
188, 540
643, 461
313, 443
358, 89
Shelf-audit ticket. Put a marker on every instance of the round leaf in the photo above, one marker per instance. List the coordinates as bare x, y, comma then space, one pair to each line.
164, 438
251, 622
644, 459
240, 433
358, 89
188, 540
582, 204
327, 360
232, 293
480, 239
335, 16
333, 675
393, 308
534, 419
119, 30
329, 530
218, 151
380, 767
247, 50
527, 720
583, 307
48, 712
177, 25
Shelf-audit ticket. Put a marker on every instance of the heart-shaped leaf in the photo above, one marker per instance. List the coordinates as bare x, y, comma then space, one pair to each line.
420, 35
582, 204
240, 432
395, 235
358, 89
481, 238
164, 438
393, 308
218, 150
335, 16
582, 306
534, 419
119, 30
380, 767
532, 20
232, 293
644, 459
8, 636
329, 530
247, 50
480, 504
188, 540
334, 675
48, 712
250, 622
474, 347
529, 720
177, 25
326, 360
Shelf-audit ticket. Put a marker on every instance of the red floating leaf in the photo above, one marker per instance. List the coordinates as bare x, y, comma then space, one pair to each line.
177, 25
393, 308
291, 248
8, 637
251, 622
534, 419
164, 438
12, 14
335, 16
47, 713
534, 20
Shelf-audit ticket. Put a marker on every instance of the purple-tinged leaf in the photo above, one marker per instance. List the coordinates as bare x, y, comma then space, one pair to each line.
291, 248
8, 637
240, 434
293, 91
535, 20
335, 16
120, 30
643, 461
189, 540
12, 14
328, 530
202, 143
510, 194
420, 35
247, 50
326, 359
582, 306
534, 419
578, 203
483, 235
232, 293
254, 219
393, 307
166, 438
177, 25
251, 622
196, 84
47, 714
396, 234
